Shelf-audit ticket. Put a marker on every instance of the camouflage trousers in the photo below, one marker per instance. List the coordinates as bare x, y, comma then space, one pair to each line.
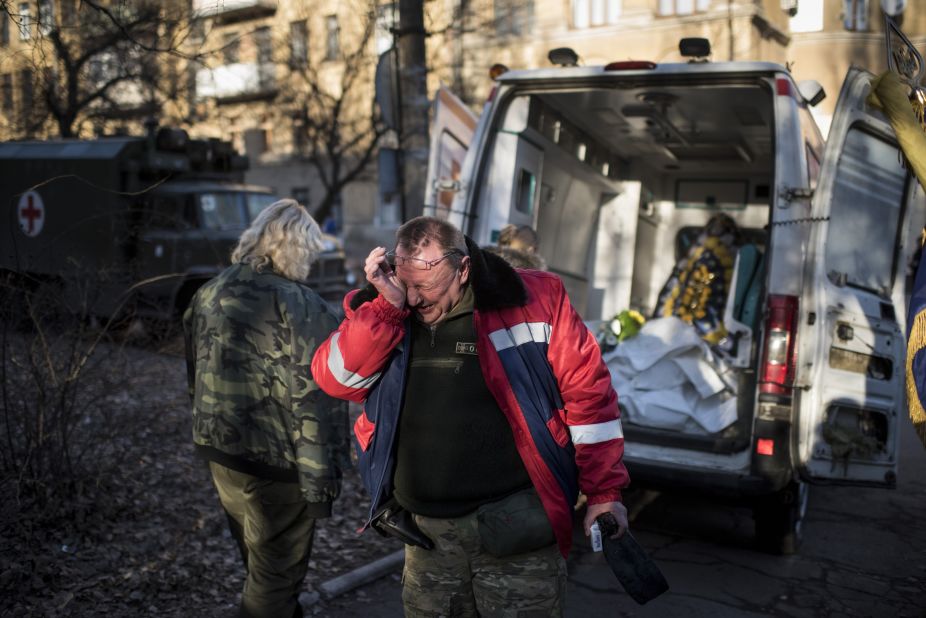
459, 579
274, 534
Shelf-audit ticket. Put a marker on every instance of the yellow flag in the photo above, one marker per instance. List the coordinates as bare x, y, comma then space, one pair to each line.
889, 95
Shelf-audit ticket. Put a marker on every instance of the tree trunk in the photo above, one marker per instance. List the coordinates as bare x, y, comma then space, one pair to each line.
65, 125
325, 208
413, 74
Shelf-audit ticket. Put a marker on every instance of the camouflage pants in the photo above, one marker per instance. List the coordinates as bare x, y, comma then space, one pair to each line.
269, 522
458, 578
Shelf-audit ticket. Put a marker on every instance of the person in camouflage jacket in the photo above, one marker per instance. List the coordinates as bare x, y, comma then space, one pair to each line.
275, 443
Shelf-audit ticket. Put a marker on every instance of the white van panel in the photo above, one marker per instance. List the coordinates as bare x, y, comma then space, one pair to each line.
849, 377
499, 187
452, 130
614, 249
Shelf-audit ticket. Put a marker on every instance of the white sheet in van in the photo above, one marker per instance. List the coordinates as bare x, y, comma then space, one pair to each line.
657, 339
664, 377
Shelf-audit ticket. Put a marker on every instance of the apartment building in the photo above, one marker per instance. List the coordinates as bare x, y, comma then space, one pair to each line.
67, 70
291, 83
818, 39
520, 33
829, 36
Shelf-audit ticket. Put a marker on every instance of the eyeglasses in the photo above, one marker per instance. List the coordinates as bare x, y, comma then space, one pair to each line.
417, 263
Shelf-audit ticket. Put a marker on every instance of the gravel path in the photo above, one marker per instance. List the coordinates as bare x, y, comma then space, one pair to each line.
145, 534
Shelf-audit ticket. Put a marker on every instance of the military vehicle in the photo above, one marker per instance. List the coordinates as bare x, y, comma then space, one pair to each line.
131, 224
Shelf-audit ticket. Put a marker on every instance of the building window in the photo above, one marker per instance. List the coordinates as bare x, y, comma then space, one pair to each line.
683, 7
67, 12
855, 15
255, 143
231, 47
332, 38
46, 16
385, 22
197, 32
4, 28
300, 137
25, 88
6, 92
298, 44
191, 69
586, 13
264, 44
514, 18
808, 17
25, 21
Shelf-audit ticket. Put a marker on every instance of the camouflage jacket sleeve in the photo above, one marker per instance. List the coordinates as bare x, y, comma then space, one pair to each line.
190, 352
320, 430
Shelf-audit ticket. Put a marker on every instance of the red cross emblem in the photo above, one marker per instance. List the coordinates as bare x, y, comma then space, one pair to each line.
31, 213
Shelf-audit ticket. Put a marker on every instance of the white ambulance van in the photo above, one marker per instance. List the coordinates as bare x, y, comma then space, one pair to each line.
618, 167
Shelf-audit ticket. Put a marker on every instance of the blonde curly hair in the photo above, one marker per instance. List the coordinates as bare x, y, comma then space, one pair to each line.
284, 238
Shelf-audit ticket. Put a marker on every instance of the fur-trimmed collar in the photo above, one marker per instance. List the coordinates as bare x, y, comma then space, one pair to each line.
495, 283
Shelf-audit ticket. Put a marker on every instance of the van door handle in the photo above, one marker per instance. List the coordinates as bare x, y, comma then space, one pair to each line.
791, 194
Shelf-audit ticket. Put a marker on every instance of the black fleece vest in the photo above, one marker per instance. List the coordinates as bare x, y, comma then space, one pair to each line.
455, 448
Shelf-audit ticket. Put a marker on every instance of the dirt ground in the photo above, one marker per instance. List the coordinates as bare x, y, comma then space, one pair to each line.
145, 534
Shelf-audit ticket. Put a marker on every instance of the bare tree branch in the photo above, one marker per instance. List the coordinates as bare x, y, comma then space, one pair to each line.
335, 119
80, 71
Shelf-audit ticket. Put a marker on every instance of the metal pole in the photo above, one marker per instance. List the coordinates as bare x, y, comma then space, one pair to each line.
414, 105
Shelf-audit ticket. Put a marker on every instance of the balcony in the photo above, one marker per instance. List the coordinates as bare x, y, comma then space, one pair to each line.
234, 83
225, 11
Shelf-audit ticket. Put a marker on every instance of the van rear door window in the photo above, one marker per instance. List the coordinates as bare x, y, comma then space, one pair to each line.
865, 213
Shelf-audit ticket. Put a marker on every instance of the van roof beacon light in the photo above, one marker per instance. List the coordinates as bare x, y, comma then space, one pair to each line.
694, 47
564, 57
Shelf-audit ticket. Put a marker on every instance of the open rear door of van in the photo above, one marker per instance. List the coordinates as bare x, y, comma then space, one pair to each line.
452, 132
848, 390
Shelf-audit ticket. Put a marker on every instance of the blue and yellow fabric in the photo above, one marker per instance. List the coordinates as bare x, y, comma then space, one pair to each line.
889, 94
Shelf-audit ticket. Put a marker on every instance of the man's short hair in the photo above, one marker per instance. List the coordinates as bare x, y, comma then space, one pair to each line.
418, 233
284, 238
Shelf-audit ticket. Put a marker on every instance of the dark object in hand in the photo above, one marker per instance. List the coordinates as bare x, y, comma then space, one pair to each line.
393, 520
636, 572
386, 269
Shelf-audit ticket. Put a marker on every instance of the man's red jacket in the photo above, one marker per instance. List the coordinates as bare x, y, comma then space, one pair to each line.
540, 362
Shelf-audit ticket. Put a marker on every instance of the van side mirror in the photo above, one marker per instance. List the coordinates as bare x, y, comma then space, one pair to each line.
812, 91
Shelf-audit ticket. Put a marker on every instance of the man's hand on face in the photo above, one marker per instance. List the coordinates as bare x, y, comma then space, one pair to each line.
383, 278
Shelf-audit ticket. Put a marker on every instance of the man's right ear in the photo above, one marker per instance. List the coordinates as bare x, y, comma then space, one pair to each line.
464, 269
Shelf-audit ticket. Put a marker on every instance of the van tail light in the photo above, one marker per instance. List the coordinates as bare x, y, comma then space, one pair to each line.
784, 87
778, 357
630, 65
